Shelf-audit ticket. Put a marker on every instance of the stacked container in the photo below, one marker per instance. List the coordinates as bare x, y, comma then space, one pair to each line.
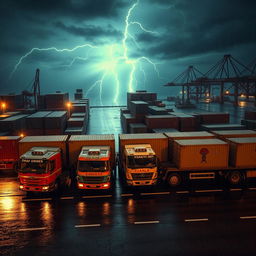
161, 121
55, 122
226, 134
56, 101
207, 154
187, 123
14, 124
219, 127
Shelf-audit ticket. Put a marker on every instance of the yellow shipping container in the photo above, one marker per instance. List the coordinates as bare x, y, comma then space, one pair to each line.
243, 152
206, 154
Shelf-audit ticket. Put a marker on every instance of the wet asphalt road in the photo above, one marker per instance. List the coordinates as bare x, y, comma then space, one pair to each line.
201, 220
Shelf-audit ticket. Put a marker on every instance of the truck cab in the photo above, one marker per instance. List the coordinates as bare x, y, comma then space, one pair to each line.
139, 163
40, 169
94, 168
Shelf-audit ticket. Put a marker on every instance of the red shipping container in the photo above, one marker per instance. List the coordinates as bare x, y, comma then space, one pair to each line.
9, 151
162, 121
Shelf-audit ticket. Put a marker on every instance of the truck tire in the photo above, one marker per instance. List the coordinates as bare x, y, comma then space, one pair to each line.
235, 178
174, 179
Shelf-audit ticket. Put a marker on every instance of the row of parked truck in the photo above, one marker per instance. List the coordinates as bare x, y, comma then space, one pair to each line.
90, 161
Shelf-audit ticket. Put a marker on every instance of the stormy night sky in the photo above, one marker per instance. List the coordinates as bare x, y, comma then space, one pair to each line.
109, 47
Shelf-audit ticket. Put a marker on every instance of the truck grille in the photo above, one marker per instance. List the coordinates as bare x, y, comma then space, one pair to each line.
142, 176
29, 181
93, 179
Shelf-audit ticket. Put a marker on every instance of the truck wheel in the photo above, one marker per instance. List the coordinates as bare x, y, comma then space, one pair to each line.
174, 179
235, 178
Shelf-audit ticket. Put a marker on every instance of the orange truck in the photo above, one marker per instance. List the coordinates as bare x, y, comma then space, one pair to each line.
140, 156
93, 159
43, 163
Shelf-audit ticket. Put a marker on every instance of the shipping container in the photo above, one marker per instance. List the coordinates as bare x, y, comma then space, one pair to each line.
242, 152
59, 141
172, 136
154, 110
76, 142
138, 107
35, 123
140, 96
138, 128
219, 127
234, 134
164, 130
75, 122
250, 124
55, 122
56, 101
250, 114
161, 121
212, 117
186, 122
158, 142
79, 114
201, 154
13, 124
79, 107
9, 151
127, 119
75, 130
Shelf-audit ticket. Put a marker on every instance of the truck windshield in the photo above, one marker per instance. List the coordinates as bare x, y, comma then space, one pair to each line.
141, 161
33, 166
92, 166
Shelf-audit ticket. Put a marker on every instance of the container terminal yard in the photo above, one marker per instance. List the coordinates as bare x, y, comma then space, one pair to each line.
108, 177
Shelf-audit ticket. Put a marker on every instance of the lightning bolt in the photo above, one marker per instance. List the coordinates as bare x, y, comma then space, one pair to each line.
114, 59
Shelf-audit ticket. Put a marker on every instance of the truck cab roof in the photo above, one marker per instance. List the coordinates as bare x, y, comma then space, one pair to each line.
94, 153
139, 149
40, 153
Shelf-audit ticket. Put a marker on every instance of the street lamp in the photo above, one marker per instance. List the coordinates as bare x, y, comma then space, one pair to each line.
69, 105
3, 106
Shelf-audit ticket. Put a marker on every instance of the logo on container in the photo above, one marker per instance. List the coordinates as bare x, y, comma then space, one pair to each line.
204, 152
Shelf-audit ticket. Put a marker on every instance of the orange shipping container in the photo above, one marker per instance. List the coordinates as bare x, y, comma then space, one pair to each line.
185, 136
243, 152
234, 133
205, 154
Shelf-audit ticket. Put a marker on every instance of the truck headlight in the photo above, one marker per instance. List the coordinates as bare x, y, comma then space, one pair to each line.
45, 187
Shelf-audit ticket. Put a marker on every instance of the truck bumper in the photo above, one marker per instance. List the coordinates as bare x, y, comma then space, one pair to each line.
105, 185
45, 188
141, 182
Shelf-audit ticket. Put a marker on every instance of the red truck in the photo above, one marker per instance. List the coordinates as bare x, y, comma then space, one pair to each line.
43, 163
9, 152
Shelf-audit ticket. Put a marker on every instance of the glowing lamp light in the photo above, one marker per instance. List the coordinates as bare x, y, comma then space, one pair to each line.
45, 188
226, 92
80, 185
69, 104
22, 135
105, 185
21, 186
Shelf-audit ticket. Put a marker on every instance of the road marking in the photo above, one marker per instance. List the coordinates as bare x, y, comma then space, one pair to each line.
195, 220
126, 194
87, 226
67, 197
247, 217
146, 222
156, 193
209, 190
37, 199
252, 188
235, 189
97, 196
182, 192
32, 229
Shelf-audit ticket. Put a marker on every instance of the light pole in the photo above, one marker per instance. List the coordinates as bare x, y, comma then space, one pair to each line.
3, 106
69, 105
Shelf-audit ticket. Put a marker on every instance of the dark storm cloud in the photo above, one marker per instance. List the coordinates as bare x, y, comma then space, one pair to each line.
208, 26
89, 31
75, 9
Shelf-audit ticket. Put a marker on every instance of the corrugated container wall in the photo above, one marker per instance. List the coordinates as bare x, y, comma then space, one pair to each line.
158, 142
211, 127
205, 154
172, 136
234, 134
138, 128
161, 121
45, 141
243, 152
76, 142
55, 123
13, 124
9, 148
